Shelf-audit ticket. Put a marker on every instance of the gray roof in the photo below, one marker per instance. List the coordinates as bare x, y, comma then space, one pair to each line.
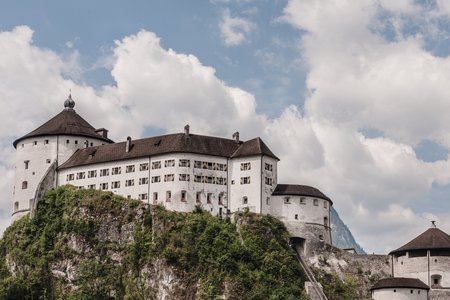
67, 122
399, 282
299, 190
171, 143
433, 238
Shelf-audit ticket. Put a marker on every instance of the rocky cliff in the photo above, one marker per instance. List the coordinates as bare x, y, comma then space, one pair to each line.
86, 244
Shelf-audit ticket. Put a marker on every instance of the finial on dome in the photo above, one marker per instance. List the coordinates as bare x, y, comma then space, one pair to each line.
69, 103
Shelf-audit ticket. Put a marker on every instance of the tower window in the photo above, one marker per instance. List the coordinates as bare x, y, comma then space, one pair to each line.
302, 200
76, 142
198, 197
46, 142
316, 202
168, 196
24, 185
296, 216
244, 200
183, 196
27, 162
48, 160
16, 206
287, 200
325, 204
35, 143
67, 141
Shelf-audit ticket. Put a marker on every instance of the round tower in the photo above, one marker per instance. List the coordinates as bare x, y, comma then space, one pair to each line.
427, 257
305, 211
40, 152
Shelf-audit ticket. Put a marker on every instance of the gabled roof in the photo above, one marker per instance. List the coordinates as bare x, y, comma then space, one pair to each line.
254, 147
433, 238
67, 122
399, 282
299, 190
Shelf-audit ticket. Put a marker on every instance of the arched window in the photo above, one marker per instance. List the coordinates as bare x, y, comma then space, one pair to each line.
24, 185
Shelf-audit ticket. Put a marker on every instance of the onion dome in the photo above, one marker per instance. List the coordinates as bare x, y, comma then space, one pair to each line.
69, 103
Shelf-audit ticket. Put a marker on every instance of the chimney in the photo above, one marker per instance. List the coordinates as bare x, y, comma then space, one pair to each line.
128, 144
102, 131
236, 137
186, 130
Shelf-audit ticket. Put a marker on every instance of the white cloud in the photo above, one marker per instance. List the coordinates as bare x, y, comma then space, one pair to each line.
234, 30
356, 80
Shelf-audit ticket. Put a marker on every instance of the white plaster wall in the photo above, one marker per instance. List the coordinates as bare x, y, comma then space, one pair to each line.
67, 145
399, 294
268, 189
40, 156
252, 191
417, 267
306, 213
131, 191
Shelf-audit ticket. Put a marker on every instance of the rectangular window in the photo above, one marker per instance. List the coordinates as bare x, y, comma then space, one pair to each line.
104, 172
208, 198
116, 170
168, 196
268, 180
245, 166
221, 181
221, 199
198, 197
296, 217
156, 179
92, 173
155, 197
208, 165
35, 143
169, 177
46, 142
91, 186
197, 178
221, 167
197, 164
27, 162
184, 177
143, 167
268, 167
169, 163
245, 180
143, 196
287, 200
325, 205
208, 179
268, 201
129, 169
184, 163
183, 196
316, 202
81, 175
143, 180
70, 177
156, 165
244, 200
129, 182
115, 184
302, 200
103, 186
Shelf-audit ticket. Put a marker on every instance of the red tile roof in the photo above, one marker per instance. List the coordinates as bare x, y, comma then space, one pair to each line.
399, 282
299, 190
67, 122
433, 238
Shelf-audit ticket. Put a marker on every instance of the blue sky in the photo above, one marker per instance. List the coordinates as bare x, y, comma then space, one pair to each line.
351, 95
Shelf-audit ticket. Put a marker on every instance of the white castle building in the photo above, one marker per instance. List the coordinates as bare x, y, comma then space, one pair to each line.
420, 269
179, 171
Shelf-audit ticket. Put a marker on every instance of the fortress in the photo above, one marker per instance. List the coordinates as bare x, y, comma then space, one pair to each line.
179, 171
223, 176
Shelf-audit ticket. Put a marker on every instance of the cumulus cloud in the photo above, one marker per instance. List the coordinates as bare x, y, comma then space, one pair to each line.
357, 79
234, 30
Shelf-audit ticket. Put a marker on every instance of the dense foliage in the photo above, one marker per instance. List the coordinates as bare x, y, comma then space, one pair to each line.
117, 245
